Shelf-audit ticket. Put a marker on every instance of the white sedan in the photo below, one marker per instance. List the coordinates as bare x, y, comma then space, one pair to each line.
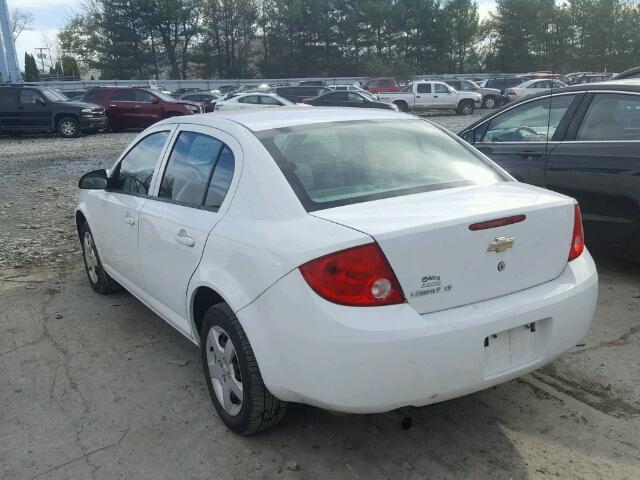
531, 87
358, 261
240, 101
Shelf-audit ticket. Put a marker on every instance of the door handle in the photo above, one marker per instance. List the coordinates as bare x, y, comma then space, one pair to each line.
130, 220
435, 96
530, 155
137, 106
417, 96
113, 106
184, 239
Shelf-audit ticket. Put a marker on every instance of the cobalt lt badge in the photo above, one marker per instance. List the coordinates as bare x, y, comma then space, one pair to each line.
500, 244
501, 266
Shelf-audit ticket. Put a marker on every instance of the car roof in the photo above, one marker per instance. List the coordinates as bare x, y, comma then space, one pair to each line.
267, 119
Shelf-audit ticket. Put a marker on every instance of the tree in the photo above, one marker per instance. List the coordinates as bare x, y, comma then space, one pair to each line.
31, 73
20, 20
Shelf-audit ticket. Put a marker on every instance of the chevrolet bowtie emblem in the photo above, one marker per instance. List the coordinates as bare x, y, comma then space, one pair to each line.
500, 244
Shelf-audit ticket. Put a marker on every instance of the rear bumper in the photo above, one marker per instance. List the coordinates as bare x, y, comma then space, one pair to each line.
368, 360
93, 123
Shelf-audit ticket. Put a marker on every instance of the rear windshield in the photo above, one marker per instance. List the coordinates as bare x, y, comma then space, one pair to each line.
343, 163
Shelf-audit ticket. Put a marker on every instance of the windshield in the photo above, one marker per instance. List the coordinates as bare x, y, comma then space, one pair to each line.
342, 163
54, 96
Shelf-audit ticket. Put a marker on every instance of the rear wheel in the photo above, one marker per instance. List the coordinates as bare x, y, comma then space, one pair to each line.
99, 280
69, 127
402, 106
233, 378
465, 108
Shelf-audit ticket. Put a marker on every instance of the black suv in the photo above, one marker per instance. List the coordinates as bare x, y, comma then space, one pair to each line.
30, 108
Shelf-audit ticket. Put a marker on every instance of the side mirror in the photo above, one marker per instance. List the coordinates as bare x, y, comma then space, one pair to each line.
155, 99
469, 136
96, 180
40, 100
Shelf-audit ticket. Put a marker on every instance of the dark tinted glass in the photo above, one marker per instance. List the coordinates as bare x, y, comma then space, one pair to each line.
7, 97
338, 97
221, 179
123, 96
95, 96
142, 96
136, 169
611, 116
424, 88
269, 100
249, 99
189, 168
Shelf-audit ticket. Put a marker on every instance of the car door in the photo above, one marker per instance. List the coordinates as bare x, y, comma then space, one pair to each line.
120, 108
443, 97
147, 109
335, 99
114, 213
516, 139
188, 202
34, 112
599, 165
423, 98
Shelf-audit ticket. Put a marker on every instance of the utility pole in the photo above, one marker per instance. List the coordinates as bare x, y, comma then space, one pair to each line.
41, 55
8, 58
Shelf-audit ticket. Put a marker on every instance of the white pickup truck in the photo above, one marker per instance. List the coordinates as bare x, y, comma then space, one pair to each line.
433, 96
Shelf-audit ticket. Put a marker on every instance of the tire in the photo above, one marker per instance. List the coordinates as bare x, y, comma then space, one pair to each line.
402, 106
490, 102
99, 280
234, 374
69, 127
465, 108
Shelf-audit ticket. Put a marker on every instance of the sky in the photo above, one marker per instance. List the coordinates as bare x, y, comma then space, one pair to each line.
50, 16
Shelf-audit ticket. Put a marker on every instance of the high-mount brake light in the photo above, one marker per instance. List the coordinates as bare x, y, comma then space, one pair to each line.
498, 222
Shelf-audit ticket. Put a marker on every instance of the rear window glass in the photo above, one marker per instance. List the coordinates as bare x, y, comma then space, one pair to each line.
342, 163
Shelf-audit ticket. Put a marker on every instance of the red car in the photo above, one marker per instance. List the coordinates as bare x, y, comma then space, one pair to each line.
377, 85
136, 107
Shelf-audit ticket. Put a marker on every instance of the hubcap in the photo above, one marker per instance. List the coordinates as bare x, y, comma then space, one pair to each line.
490, 103
90, 257
68, 128
466, 109
224, 370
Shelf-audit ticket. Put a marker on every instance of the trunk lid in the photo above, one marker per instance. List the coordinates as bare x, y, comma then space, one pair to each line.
440, 263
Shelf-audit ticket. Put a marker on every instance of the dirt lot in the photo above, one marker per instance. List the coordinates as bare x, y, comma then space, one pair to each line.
99, 387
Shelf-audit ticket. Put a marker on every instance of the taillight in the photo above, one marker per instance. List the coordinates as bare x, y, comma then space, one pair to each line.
359, 276
577, 239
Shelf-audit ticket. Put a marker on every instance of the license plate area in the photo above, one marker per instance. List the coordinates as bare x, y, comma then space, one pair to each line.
514, 348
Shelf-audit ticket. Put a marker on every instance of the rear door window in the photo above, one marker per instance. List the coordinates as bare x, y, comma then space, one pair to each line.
611, 117
134, 173
7, 98
253, 99
424, 88
221, 179
266, 100
124, 95
189, 168
95, 96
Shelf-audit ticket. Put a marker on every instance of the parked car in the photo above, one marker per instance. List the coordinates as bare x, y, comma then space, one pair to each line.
182, 91
591, 78
583, 141
378, 85
433, 96
225, 89
300, 94
75, 95
30, 108
312, 83
206, 100
136, 107
349, 99
502, 83
491, 97
252, 100
353, 88
631, 73
531, 87
290, 248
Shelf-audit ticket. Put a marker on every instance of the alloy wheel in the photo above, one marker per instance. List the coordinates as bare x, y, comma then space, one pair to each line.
90, 257
68, 128
224, 370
